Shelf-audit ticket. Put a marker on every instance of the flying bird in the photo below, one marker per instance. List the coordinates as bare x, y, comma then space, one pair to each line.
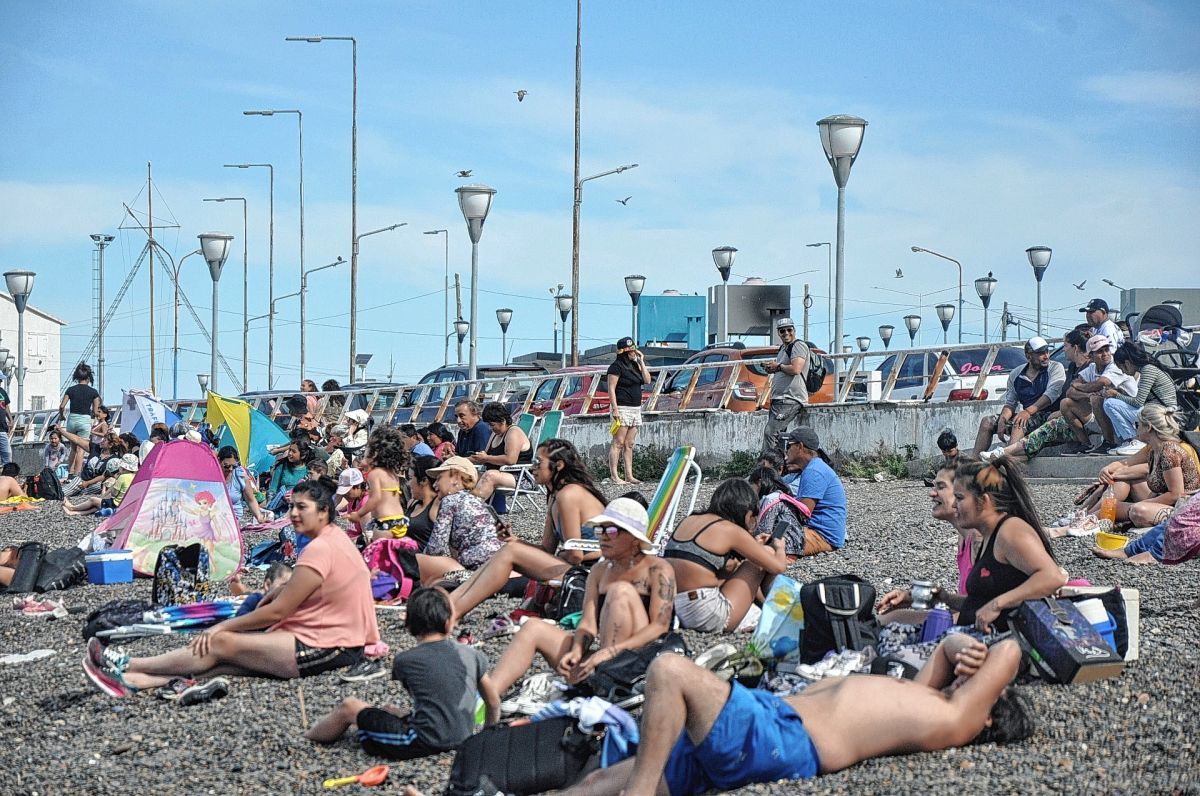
464, 173
899, 273
624, 201
1080, 285
520, 94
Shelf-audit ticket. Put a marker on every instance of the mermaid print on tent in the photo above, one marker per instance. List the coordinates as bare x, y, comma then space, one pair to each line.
178, 497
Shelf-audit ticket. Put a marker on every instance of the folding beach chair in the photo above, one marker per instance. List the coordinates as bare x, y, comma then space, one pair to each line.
526, 488
665, 504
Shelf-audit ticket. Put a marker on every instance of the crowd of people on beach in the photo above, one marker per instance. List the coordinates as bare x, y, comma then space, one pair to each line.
357, 495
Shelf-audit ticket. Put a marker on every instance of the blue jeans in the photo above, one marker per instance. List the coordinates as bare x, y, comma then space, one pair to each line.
5, 448
1123, 417
1150, 542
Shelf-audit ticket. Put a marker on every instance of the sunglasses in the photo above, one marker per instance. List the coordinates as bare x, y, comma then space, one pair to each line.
787, 330
608, 530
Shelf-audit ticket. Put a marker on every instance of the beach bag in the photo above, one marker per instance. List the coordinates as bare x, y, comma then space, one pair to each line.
29, 563
1063, 645
396, 558
525, 758
118, 613
781, 625
839, 614
181, 575
44, 485
568, 597
61, 569
624, 676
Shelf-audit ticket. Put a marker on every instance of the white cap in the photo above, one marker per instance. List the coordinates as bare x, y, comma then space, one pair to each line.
350, 478
1036, 344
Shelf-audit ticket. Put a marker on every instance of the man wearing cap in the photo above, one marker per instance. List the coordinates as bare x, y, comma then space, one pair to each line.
1097, 318
1095, 379
789, 393
814, 482
1035, 388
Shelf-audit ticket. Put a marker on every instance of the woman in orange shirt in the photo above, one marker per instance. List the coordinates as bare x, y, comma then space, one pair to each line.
318, 620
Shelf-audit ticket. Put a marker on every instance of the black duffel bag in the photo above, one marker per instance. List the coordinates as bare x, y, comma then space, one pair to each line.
519, 759
29, 563
624, 675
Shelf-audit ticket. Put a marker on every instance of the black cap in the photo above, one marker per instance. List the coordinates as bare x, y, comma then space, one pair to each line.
625, 342
805, 436
1095, 304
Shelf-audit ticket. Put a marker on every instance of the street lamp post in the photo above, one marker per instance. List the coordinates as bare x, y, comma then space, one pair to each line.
215, 247
245, 287
945, 313
445, 294
101, 240
634, 284
828, 286
354, 236
175, 270
271, 315
841, 138
304, 301
564, 302
864, 343
913, 324
461, 328
985, 286
960, 281
575, 223
475, 201
20, 285
885, 334
723, 257
202, 380
270, 265
300, 123
504, 318
1039, 258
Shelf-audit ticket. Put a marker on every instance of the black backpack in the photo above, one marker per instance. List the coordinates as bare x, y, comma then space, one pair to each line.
117, 613
44, 485
839, 614
61, 569
624, 675
814, 371
523, 758
568, 599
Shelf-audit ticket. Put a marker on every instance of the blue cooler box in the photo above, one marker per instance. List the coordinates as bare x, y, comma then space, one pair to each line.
110, 566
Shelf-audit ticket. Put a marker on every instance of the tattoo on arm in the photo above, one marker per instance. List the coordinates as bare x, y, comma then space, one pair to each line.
666, 593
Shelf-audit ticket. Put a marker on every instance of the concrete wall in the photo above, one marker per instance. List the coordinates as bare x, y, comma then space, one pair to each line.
858, 428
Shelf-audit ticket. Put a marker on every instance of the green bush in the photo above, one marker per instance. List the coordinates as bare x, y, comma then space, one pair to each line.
649, 463
892, 462
739, 465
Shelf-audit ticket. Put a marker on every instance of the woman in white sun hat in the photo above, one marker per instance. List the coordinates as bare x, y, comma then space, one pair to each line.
628, 603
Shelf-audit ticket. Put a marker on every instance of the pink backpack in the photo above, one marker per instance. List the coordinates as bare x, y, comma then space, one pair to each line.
396, 558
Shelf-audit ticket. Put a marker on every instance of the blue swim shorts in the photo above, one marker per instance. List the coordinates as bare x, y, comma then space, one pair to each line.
756, 738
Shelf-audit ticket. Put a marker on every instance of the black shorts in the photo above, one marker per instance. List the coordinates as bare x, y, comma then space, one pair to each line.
385, 734
314, 660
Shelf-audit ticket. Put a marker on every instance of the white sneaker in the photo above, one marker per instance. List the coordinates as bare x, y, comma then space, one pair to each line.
1129, 448
992, 455
538, 691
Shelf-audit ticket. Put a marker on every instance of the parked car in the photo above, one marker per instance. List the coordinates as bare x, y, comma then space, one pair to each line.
493, 377
957, 380
711, 383
579, 381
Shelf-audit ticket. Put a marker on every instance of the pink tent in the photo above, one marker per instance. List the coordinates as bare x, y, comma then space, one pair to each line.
178, 497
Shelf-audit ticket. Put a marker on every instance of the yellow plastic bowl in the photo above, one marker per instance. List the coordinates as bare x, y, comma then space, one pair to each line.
1110, 541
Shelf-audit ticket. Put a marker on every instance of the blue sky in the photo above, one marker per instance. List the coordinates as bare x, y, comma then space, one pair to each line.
993, 127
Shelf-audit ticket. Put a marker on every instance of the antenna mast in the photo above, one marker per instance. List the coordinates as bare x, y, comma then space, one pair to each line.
150, 234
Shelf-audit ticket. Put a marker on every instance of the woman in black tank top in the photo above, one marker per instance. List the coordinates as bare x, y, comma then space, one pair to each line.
508, 445
1015, 563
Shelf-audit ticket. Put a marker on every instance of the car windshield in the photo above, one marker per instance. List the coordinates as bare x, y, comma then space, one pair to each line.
970, 361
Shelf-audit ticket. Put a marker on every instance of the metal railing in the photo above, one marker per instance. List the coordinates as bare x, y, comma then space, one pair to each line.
740, 384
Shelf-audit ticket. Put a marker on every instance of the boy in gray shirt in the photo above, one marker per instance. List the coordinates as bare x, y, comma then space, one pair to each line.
442, 678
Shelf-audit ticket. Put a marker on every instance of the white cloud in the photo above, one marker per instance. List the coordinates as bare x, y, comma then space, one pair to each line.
1159, 89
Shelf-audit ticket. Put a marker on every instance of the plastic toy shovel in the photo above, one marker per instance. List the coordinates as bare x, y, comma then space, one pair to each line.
369, 778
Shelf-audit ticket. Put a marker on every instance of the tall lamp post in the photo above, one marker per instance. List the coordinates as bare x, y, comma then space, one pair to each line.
175, 270
564, 302
300, 123
841, 138
1039, 258
575, 218
354, 291
960, 281
475, 201
504, 318
864, 343
20, 285
202, 380
913, 324
985, 286
885, 334
634, 284
245, 286
215, 247
270, 264
723, 257
945, 313
101, 240
461, 328
354, 236
445, 294
304, 302
828, 286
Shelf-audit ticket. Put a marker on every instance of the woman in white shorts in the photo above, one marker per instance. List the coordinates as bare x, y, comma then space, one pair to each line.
719, 564
625, 376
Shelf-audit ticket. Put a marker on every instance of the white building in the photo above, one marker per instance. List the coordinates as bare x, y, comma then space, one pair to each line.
43, 376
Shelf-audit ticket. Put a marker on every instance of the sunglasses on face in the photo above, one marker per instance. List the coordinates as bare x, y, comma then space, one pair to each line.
787, 330
608, 530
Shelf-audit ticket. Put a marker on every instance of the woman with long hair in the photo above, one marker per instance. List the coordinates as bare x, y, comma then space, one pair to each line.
625, 377
385, 494
422, 508
438, 437
319, 620
571, 499
507, 446
710, 598
79, 405
240, 486
289, 471
780, 514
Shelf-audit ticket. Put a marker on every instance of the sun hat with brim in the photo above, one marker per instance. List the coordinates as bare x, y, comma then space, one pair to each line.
628, 515
358, 416
130, 463
460, 465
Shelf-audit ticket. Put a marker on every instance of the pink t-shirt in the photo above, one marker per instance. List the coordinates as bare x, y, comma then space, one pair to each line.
341, 611
965, 562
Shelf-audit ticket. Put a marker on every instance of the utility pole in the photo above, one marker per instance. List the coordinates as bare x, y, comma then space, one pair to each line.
150, 227
458, 310
576, 190
1004, 324
807, 303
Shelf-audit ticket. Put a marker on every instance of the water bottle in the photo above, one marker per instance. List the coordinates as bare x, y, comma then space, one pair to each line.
936, 623
1108, 506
